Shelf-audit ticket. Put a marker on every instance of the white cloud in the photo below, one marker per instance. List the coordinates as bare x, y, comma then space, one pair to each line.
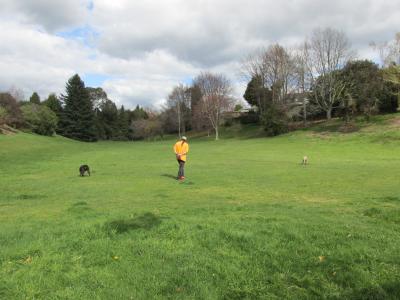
52, 15
37, 61
143, 48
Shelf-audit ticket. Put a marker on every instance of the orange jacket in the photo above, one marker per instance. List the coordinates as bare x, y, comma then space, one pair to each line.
181, 148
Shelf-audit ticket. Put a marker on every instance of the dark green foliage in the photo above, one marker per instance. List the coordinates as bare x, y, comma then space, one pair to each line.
39, 118
78, 120
138, 113
35, 99
250, 117
124, 131
107, 120
54, 104
364, 84
113, 124
258, 95
389, 101
275, 120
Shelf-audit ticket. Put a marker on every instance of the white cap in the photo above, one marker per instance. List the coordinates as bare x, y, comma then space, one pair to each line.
184, 138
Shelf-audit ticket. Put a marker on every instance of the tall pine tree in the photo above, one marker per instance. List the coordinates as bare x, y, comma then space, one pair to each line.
123, 124
78, 120
35, 99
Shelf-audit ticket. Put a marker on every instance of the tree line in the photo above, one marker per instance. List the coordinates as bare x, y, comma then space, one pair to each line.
83, 113
87, 114
318, 79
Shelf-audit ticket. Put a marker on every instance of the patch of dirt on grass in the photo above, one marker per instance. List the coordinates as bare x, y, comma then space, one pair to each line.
349, 128
395, 122
321, 135
7, 130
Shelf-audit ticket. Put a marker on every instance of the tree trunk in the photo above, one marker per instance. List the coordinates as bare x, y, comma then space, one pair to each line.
216, 133
304, 112
179, 120
329, 113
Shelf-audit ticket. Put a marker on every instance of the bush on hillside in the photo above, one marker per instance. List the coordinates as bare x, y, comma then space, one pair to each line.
12, 115
3, 115
275, 121
40, 119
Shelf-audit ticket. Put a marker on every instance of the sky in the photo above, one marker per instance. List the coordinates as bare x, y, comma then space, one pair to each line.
137, 51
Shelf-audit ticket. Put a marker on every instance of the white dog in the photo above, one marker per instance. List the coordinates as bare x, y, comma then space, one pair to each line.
305, 160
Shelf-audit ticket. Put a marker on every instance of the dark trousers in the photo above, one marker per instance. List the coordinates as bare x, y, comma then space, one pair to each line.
181, 172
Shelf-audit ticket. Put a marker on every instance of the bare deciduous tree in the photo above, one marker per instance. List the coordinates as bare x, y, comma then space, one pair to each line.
303, 75
389, 51
329, 51
216, 91
274, 67
278, 65
179, 101
17, 93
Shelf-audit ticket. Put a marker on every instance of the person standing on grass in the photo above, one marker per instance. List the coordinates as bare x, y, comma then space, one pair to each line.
181, 149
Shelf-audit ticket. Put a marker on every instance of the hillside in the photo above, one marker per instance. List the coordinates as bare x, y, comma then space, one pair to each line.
249, 221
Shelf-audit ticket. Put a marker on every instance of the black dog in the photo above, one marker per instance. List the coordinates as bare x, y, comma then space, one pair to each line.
83, 169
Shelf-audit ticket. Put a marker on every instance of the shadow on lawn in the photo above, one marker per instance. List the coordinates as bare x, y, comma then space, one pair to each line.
169, 176
145, 221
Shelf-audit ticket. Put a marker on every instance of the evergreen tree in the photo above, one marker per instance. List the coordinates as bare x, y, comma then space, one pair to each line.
139, 113
78, 120
107, 118
258, 95
123, 124
35, 99
54, 104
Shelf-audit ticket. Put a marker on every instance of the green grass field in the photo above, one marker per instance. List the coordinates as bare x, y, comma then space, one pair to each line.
249, 222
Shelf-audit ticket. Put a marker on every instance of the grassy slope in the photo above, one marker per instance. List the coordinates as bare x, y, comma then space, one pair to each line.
249, 222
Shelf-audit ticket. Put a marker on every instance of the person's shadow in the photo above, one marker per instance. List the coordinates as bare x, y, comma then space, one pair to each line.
169, 176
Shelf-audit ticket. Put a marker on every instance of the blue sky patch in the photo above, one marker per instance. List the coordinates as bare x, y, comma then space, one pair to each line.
85, 34
90, 6
95, 80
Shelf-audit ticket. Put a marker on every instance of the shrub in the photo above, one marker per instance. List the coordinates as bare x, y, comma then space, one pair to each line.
3, 115
40, 119
275, 121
